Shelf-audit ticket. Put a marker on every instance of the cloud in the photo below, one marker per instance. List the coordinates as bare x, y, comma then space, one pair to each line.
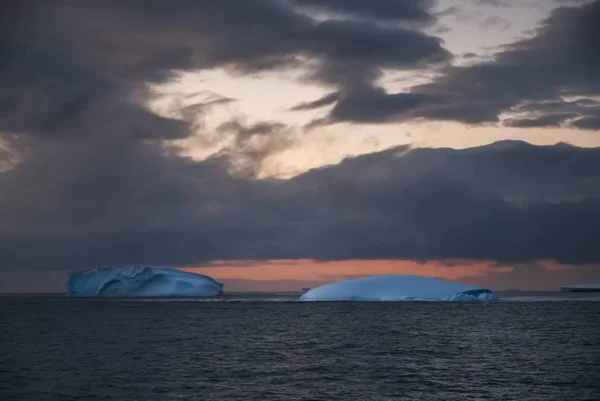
507, 202
548, 120
250, 145
496, 22
372, 105
65, 77
321, 102
559, 61
399, 10
89, 175
89, 69
495, 3
589, 122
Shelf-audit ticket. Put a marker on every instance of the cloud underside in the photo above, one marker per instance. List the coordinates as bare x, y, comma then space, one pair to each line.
88, 175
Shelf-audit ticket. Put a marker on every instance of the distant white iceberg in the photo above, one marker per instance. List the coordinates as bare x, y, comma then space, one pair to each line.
398, 287
581, 288
141, 281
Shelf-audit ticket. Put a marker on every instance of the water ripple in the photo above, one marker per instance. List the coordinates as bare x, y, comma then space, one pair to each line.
65, 349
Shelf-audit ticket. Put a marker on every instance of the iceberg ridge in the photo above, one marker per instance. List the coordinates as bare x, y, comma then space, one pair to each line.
398, 287
140, 281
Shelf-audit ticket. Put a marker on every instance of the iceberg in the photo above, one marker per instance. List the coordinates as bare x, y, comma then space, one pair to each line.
398, 287
140, 281
581, 288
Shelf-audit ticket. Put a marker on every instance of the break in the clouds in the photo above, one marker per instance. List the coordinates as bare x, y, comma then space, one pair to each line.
89, 175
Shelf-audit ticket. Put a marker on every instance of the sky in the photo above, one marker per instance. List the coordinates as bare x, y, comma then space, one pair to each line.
280, 144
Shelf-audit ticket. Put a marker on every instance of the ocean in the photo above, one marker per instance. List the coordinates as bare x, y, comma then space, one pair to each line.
529, 346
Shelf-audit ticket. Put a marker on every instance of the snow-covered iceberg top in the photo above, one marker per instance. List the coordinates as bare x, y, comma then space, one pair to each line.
140, 281
398, 287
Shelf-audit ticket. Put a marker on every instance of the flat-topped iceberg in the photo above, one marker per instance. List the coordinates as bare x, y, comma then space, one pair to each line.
398, 287
140, 281
581, 288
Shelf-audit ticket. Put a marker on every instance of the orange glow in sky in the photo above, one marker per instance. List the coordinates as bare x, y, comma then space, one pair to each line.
290, 275
329, 271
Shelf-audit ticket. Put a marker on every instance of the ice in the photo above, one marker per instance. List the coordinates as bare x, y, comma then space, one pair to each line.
581, 288
140, 281
398, 287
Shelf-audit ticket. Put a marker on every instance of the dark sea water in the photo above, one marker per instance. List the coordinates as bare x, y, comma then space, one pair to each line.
542, 346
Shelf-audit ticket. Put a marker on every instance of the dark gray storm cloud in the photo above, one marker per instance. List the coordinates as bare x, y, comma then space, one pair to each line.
507, 202
67, 63
89, 175
559, 64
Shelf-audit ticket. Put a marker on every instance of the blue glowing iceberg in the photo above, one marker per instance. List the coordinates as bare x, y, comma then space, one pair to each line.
141, 281
398, 287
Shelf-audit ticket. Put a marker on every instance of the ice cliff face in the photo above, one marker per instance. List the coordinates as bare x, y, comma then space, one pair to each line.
398, 287
140, 281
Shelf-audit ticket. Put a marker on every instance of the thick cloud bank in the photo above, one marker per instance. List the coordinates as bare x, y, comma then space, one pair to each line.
509, 201
398, 287
140, 281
